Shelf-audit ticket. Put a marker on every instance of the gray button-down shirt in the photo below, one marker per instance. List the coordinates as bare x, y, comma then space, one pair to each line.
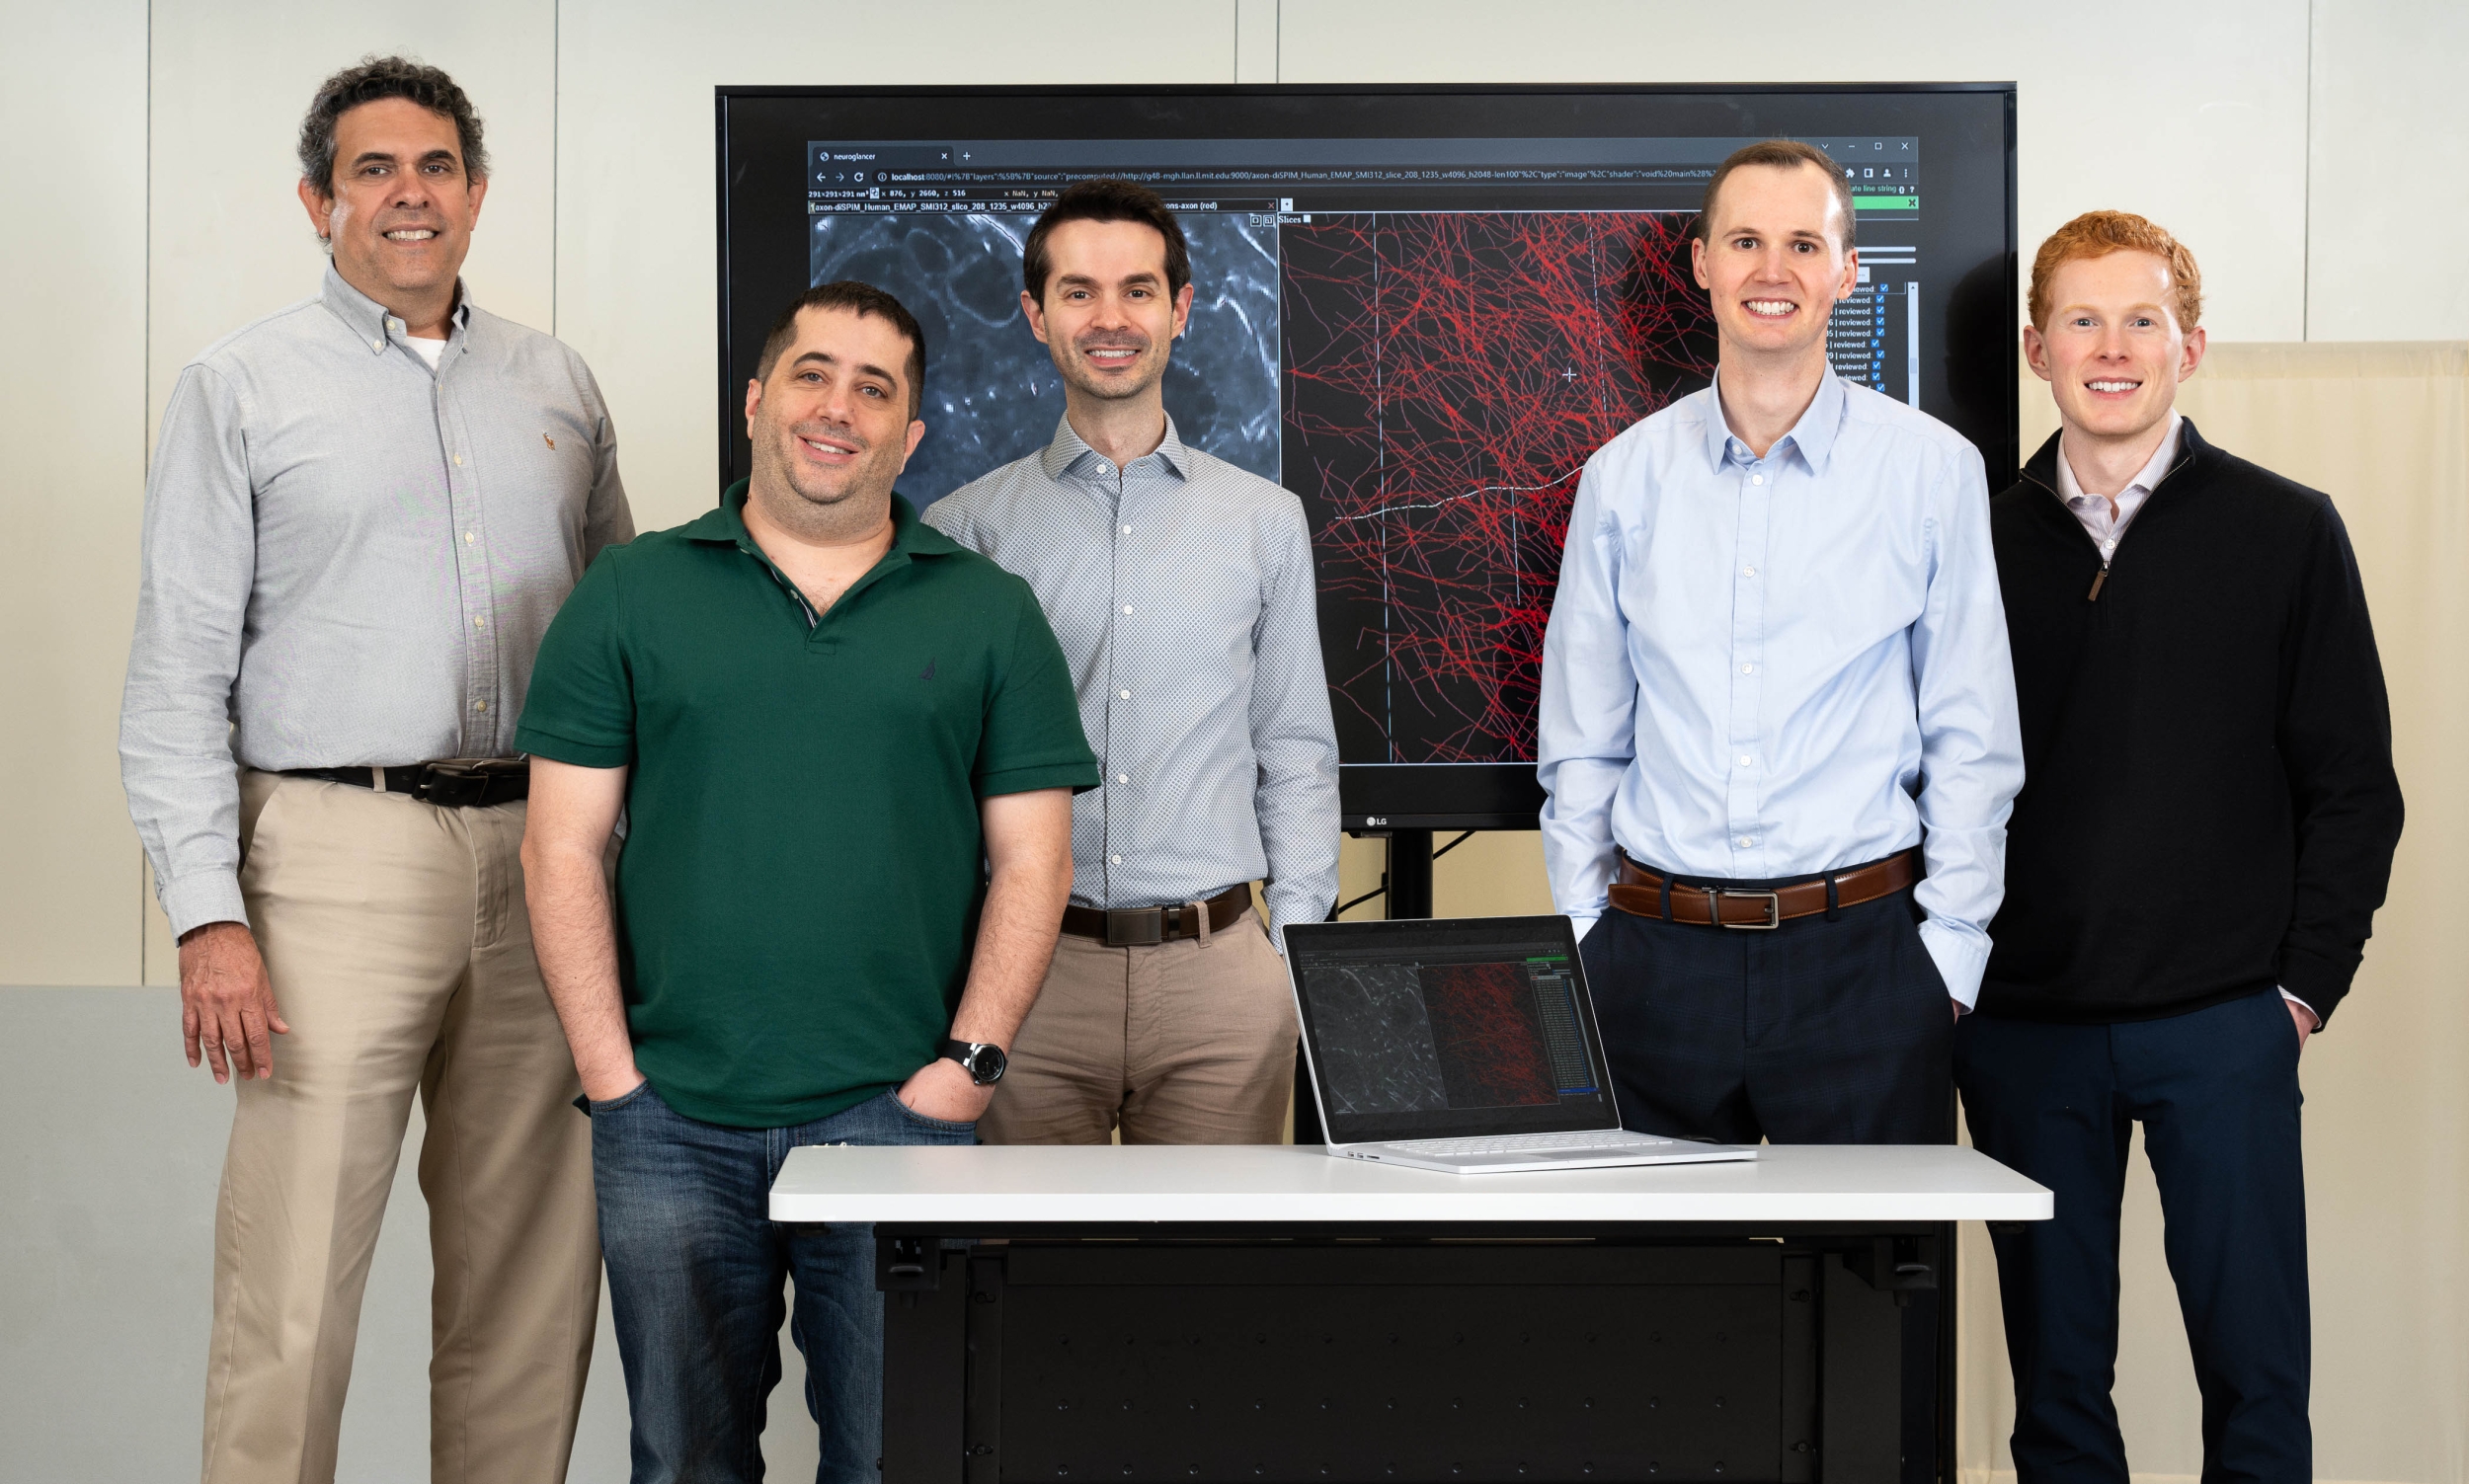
349, 560
1182, 589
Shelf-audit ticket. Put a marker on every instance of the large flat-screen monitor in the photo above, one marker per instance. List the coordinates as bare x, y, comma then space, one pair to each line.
1419, 309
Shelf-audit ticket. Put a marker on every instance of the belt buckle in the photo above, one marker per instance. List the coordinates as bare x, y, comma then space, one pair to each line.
1135, 927
455, 785
1774, 910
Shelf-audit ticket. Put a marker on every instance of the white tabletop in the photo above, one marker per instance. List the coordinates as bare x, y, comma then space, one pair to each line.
1274, 1183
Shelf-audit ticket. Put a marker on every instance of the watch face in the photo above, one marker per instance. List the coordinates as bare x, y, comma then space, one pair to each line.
986, 1066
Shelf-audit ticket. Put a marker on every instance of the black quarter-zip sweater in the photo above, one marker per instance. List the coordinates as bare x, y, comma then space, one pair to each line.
2208, 804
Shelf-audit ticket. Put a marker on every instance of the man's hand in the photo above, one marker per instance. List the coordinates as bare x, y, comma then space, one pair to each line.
2304, 1018
942, 1089
1956, 1006
227, 1001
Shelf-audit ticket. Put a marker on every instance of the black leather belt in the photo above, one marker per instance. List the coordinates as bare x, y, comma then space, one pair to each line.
456, 783
1138, 927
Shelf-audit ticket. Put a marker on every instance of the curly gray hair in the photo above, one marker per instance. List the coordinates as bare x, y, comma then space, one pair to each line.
379, 77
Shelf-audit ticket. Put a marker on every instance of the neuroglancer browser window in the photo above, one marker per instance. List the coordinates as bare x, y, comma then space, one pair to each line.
1422, 338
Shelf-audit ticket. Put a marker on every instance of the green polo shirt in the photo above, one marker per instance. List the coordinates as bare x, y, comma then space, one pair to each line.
798, 892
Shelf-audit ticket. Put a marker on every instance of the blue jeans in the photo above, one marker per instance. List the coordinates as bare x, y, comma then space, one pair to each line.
696, 1269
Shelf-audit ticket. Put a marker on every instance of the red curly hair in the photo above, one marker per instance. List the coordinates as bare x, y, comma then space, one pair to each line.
2097, 234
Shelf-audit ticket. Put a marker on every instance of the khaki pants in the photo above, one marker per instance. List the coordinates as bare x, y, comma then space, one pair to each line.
395, 935
1184, 1043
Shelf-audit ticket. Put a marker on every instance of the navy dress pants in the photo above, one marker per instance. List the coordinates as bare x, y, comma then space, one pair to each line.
1816, 1033
2217, 1092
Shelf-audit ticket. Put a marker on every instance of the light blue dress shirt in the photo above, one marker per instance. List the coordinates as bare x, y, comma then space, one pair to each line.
1764, 667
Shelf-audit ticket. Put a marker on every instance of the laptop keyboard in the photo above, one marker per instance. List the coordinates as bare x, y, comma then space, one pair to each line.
1527, 1143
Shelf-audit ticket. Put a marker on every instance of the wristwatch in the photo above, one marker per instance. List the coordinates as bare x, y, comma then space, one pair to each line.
982, 1061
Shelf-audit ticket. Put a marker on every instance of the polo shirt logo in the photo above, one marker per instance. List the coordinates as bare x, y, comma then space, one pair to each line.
929, 673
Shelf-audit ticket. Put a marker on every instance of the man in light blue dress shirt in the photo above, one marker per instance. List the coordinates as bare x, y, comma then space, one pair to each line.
1779, 734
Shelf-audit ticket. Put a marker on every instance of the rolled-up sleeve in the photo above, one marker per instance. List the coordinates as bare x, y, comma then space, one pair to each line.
196, 568
1294, 737
1971, 735
1585, 728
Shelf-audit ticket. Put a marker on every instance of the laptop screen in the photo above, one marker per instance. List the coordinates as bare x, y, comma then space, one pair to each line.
1442, 1029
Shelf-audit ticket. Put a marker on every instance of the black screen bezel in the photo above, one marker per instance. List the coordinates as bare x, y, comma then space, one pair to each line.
763, 132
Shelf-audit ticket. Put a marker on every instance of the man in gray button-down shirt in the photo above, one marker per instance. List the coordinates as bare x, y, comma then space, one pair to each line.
1182, 589
362, 514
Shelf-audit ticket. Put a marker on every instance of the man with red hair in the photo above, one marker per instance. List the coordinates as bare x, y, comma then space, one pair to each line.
2204, 832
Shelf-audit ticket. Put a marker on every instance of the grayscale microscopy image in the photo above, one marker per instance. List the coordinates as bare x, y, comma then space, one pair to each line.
992, 394
1372, 1039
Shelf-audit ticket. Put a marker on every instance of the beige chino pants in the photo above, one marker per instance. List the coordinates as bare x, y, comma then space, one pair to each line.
395, 935
1184, 1043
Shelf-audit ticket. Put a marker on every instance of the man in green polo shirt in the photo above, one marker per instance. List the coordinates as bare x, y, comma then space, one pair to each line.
846, 749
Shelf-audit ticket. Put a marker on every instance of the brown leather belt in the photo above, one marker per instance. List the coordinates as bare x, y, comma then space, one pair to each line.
1640, 893
1138, 927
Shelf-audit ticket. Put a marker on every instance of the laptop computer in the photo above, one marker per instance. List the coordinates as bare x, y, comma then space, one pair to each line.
1465, 1045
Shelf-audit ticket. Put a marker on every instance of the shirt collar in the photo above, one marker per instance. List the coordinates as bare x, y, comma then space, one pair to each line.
1068, 449
1814, 435
371, 320
2070, 489
726, 523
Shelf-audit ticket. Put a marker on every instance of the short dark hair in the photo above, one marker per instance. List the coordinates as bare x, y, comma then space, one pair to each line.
382, 77
1780, 154
1105, 200
859, 298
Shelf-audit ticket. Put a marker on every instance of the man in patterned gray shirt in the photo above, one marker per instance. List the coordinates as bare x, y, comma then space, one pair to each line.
362, 513
1182, 589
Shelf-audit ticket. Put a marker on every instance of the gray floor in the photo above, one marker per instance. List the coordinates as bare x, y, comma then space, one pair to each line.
110, 1148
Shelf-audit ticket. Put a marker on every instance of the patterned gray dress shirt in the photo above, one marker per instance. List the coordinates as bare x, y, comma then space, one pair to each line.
1182, 589
349, 560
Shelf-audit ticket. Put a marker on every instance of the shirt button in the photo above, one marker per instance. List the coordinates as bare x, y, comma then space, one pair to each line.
1748, 669
458, 461
479, 705
1116, 859
1127, 608
1757, 479
1127, 695
1102, 469
479, 623
1127, 531
1748, 840
470, 536
1122, 777
1748, 572
1746, 759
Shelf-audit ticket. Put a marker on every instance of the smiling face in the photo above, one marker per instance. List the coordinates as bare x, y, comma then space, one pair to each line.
1106, 315
2112, 351
400, 208
1773, 261
830, 425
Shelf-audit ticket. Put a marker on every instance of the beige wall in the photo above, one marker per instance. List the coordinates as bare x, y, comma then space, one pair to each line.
73, 424
2311, 152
